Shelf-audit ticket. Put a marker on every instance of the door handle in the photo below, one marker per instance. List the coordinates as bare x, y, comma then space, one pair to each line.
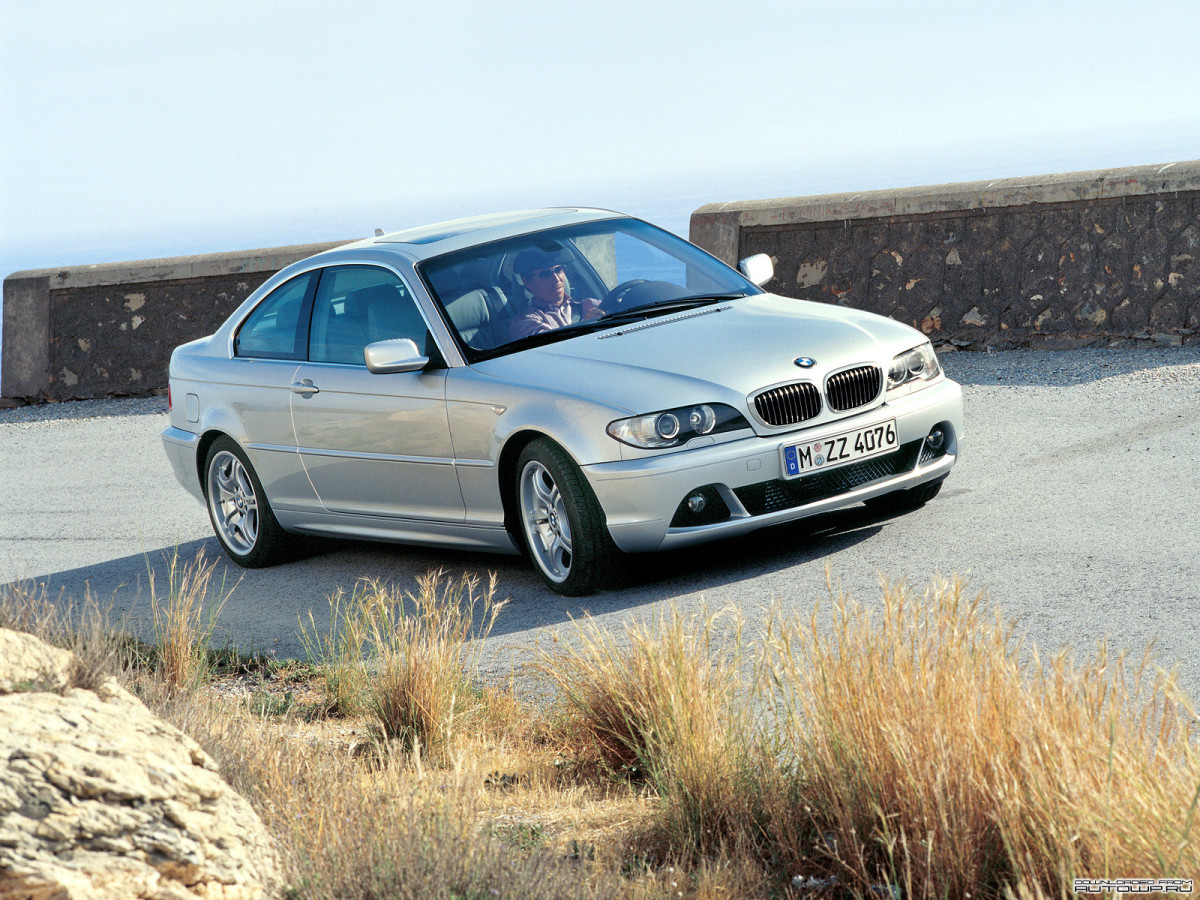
305, 387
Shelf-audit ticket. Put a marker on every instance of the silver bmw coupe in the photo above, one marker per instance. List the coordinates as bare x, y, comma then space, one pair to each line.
573, 384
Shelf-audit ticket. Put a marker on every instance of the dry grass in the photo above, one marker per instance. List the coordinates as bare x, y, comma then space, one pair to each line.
424, 689
85, 629
926, 750
911, 747
340, 652
348, 830
665, 701
407, 657
185, 618
917, 749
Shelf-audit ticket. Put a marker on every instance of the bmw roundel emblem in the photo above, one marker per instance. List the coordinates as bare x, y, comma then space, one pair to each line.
805, 362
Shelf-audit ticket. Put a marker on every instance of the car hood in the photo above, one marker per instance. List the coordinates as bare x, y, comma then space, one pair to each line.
712, 354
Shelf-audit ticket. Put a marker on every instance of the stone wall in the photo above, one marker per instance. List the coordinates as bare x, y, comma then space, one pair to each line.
1088, 258
108, 330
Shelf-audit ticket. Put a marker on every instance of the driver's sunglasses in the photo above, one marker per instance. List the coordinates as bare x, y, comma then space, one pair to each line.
552, 272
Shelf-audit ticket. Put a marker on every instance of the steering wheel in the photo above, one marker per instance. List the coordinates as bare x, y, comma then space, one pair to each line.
614, 298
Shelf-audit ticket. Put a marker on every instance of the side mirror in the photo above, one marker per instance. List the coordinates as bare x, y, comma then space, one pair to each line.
395, 355
757, 268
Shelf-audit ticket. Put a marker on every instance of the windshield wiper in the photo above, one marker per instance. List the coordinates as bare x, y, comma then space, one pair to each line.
727, 295
543, 337
554, 335
662, 307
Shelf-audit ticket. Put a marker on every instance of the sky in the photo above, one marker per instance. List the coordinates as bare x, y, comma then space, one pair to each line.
133, 130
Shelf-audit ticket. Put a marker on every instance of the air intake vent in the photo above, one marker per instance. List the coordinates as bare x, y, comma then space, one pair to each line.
772, 496
853, 388
790, 404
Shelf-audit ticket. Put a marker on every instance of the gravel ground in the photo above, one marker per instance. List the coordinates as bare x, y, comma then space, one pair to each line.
1067, 367
42, 413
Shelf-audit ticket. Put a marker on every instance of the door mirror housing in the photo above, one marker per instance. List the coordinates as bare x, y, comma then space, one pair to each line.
757, 268
395, 355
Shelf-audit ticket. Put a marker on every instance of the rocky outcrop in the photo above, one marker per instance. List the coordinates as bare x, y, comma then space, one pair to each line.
101, 799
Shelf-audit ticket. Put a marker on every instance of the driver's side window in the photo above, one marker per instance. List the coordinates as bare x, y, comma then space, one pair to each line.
356, 306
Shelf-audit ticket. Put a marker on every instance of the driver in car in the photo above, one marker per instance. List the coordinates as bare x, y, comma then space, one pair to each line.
541, 270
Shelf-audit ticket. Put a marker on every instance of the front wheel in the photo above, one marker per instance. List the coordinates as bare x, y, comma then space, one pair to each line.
562, 524
241, 517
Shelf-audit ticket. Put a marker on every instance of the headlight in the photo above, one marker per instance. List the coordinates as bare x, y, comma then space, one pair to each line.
915, 365
673, 427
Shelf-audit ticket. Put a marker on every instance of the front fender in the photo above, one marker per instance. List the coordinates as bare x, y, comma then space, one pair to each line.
490, 421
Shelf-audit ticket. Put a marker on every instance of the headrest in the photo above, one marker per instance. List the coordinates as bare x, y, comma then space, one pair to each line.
469, 311
358, 302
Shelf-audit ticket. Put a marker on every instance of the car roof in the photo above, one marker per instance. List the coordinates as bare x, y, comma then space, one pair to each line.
446, 237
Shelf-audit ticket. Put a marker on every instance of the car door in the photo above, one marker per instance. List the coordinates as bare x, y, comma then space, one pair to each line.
373, 444
267, 351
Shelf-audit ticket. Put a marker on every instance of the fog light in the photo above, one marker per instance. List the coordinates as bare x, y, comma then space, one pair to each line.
936, 439
700, 506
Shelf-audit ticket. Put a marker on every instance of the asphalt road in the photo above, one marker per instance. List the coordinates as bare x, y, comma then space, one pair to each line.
1075, 507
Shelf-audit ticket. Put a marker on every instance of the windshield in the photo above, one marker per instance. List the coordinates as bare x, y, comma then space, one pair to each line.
554, 284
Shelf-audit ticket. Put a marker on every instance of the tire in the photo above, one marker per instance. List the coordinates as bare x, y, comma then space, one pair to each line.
241, 517
904, 501
562, 526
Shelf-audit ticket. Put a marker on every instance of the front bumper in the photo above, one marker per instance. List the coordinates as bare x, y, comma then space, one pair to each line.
641, 498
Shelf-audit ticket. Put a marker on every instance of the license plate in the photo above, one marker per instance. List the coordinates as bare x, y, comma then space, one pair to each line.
828, 453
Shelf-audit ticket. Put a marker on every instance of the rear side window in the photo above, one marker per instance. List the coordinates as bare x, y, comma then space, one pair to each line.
274, 330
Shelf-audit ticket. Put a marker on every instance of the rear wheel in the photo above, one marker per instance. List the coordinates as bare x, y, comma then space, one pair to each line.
237, 506
904, 501
562, 524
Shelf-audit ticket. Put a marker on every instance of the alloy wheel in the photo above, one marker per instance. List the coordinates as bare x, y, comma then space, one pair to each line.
233, 502
544, 517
